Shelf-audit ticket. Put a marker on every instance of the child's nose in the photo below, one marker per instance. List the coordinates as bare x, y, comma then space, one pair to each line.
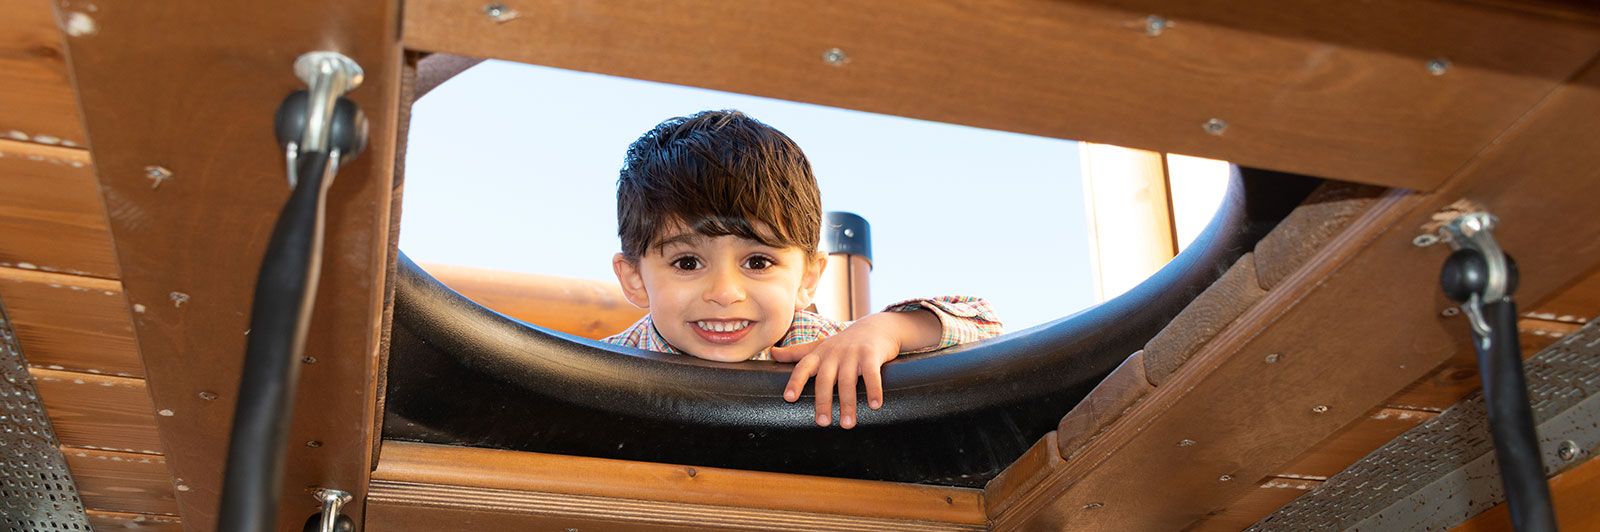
725, 288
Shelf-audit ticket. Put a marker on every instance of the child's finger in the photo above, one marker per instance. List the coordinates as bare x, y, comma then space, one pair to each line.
824, 388
793, 352
797, 379
847, 393
873, 377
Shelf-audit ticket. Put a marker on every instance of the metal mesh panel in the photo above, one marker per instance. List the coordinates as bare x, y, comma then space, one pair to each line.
36, 491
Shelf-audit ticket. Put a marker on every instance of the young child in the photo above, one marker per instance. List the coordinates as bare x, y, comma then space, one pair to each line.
719, 217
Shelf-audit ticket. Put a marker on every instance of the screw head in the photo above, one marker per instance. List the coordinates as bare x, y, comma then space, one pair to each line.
1154, 25
849, 233
1224, 478
1450, 311
835, 57
1426, 240
1185, 443
1319, 409
1438, 66
1274, 358
309, 360
494, 10
313, 444
1215, 126
209, 396
1568, 450
1094, 506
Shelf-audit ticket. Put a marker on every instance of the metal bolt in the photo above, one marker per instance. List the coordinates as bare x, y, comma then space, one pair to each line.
1215, 126
835, 57
1319, 409
1224, 478
178, 299
1438, 66
848, 233
1094, 506
1423, 241
1274, 358
1451, 311
1154, 25
1568, 450
313, 444
1185, 443
208, 396
309, 360
498, 12
157, 174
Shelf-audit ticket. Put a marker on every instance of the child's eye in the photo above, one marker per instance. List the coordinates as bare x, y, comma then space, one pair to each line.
686, 263
758, 263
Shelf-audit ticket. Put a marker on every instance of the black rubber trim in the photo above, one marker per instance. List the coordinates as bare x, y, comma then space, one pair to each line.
464, 375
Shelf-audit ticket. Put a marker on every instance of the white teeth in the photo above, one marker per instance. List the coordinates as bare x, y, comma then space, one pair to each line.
722, 326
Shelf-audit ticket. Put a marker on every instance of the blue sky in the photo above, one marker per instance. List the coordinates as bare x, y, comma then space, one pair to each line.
514, 167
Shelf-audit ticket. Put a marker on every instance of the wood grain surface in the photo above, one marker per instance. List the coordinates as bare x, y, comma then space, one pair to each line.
134, 522
122, 482
36, 100
50, 211
98, 412
70, 322
591, 309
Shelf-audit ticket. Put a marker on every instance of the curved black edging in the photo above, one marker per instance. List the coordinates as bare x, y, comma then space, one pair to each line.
461, 374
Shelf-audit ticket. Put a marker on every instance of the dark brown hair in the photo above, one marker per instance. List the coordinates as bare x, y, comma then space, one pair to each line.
717, 173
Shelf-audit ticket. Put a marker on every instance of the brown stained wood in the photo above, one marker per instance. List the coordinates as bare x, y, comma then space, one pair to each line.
192, 86
1268, 496
1357, 324
1458, 376
70, 322
98, 412
50, 211
133, 522
414, 463
1334, 90
36, 100
1353, 442
591, 309
122, 482
1577, 304
1572, 494
1033, 467
1108, 401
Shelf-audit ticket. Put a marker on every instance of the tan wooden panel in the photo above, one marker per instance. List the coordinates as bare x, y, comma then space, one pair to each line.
1356, 325
591, 309
131, 522
416, 463
1337, 90
1572, 494
36, 100
1354, 442
192, 86
50, 211
1268, 496
122, 482
98, 412
1577, 304
70, 322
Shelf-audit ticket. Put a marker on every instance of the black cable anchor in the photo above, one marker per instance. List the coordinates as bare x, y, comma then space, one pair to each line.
1482, 277
318, 130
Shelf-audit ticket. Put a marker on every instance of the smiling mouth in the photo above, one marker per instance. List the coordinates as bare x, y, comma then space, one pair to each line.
722, 326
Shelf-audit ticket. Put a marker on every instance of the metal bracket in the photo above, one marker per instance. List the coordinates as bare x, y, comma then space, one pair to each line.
1474, 231
332, 501
329, 75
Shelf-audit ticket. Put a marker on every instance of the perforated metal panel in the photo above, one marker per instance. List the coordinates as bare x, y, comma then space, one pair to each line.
36, 491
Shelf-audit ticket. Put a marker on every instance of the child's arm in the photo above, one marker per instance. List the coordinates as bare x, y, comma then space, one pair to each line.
857, 352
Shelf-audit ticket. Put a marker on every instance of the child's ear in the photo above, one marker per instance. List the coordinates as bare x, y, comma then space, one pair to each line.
809, 280
631, 280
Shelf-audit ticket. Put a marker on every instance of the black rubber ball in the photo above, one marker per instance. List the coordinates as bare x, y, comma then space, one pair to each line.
347, 133
343, 523
1466, 272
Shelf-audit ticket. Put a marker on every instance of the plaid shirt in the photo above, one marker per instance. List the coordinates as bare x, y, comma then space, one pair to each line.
964, 319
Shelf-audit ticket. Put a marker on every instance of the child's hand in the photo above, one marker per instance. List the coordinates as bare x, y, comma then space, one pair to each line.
859, 351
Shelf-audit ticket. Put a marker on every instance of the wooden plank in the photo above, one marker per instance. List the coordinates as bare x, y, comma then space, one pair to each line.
1572, 494
591, 309
414, 463
1268, 496
1131, 233
191, 86
131, 522
122, 482
98, 412
1458, 376
70, 322
1340, 354
1033, 467
1335, 90
36, 100
1353, 442
1577, 304
50, 211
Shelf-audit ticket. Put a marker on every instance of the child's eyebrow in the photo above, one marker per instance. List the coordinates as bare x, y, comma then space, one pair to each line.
687, 239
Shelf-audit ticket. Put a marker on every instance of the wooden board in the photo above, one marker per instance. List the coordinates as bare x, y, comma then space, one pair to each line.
122, 482
1458, 376
1268, 496
1355, 326
70, 322
1354, 442
50, 211
36, 101
1334, 90
191, 86
591, 309
131, 522
98, 412
1033, 467
1577, 304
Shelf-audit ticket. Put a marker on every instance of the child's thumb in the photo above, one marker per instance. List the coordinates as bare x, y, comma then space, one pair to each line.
792, 353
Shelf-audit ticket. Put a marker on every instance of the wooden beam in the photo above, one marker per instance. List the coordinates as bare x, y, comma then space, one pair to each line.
1334, 90
1341, 353
66, 322
1577, 304
36, 101
1131, 233
591, 309
191, 87
122, 482
98, 412
1352, 443
133, 522
1269, 495
50, 211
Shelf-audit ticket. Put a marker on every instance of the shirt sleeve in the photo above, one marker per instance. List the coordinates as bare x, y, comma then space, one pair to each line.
963, 319
634, 336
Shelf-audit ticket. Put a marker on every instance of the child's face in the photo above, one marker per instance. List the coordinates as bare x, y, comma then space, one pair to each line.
723, 298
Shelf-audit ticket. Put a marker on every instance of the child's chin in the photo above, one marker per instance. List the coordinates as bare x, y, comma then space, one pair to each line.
723, 356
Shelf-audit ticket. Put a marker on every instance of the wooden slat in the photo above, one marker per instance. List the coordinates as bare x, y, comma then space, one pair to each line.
70, 322
50, 211
1354, 442
591, 309
36, 101
1577, 304
1131, 233
1268, 496
532, 472
131, 522
1458, 376
1033, 467
1335, 90
192, 86
122, 482
98, 412
1356, 325
1572, 494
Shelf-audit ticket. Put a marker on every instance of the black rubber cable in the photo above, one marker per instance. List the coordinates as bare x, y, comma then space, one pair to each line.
278, 320
1516, 444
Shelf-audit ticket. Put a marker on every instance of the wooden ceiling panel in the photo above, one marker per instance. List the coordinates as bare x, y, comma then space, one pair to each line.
1342, 90
70, 322
50, 211
36, 100
98, 412
132, 522
122, 482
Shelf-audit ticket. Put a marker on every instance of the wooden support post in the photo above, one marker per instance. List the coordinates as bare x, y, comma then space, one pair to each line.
1131, 232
